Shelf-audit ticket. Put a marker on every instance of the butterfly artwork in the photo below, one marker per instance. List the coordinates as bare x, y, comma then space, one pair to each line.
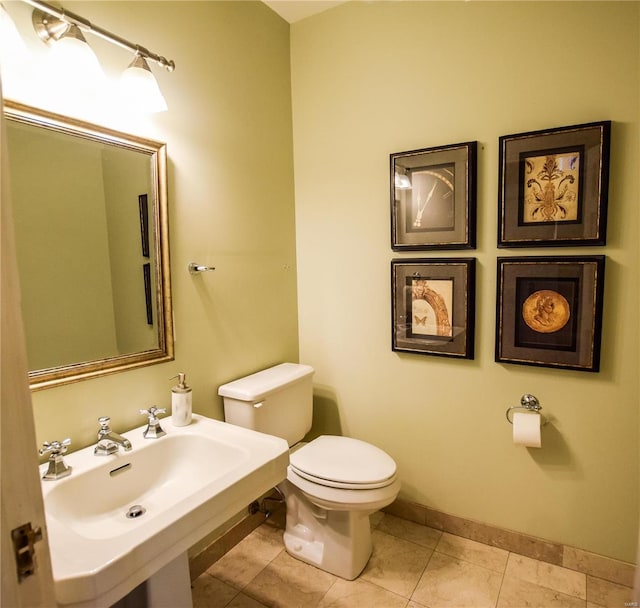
431, 305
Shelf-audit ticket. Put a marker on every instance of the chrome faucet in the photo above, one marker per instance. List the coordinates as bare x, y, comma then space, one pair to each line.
108, 440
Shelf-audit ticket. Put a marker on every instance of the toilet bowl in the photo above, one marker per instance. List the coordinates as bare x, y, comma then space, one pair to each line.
333, 483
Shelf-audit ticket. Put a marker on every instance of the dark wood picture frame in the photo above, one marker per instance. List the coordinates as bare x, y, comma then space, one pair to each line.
433, 306
549, 311
433, 198
553, 186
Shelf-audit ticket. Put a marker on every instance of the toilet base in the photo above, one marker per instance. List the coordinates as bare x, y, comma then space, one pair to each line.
338, 542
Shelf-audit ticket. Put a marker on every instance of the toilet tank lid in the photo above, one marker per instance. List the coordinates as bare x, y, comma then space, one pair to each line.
257, 386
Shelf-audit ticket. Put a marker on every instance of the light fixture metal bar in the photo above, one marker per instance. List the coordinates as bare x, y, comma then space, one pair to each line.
87, 26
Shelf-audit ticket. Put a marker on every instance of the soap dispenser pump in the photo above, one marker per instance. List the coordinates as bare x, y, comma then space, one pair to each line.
181, 406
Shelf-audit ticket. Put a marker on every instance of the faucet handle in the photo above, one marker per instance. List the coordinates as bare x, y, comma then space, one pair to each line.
153, 430
57, 468
104, 422
55, 448
152, 411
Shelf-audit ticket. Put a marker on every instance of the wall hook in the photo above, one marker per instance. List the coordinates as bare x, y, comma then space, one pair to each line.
198, 268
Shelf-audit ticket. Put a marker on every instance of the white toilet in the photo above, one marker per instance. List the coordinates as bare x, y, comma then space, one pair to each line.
333, 483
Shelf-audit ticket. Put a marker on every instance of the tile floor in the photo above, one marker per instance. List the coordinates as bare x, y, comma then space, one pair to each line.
412, 566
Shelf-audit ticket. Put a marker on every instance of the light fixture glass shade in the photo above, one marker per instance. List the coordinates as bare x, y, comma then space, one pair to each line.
12, 46
139, 87
402, 181
72, 52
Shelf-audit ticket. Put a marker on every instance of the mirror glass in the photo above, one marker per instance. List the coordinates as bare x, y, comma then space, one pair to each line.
90, 216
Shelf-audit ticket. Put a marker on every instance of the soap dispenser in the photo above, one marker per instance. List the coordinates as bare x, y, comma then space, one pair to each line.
181, 406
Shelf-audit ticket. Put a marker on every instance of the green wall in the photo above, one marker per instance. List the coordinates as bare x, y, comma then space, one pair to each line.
367, 79
229, 143
373, 78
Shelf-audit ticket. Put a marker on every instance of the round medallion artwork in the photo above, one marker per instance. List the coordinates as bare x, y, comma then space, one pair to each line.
546, 311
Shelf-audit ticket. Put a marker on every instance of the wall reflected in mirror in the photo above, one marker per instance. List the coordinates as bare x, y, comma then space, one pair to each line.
90, 215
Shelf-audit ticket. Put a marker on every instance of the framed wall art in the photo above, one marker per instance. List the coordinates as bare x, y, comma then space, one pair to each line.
553, 186
549, 311
433, 198
433, 306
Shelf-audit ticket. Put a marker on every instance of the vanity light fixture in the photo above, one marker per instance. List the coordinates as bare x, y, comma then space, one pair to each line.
71, 49
139, 85
54, 25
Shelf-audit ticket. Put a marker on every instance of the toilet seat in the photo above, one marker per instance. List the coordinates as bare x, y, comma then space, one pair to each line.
339, 499
344, 463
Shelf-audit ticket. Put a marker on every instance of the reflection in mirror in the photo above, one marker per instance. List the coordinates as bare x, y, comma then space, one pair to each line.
90, 215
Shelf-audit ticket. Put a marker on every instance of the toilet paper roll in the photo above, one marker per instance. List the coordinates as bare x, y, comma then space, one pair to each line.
526, 430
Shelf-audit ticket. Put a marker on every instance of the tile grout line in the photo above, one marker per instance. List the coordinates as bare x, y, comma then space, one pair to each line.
421, 575
504, 576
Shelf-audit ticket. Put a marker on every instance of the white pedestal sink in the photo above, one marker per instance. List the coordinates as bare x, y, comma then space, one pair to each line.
187, 483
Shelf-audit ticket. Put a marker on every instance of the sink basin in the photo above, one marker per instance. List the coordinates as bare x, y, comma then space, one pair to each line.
158, 476
119, 519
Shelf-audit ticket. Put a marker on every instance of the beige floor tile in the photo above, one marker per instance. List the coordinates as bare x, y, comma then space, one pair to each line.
244, 601
376, 518
451, 583
241, 565
477, 553
547, 575
517, 593
360, 594
273, 530
290, 583
403, 572
210, 592
416, 533
396, 564
604, 593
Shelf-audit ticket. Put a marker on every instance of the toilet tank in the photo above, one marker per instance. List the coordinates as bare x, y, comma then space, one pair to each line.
277, 401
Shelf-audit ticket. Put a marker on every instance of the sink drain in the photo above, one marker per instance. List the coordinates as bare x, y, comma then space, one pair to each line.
135, 511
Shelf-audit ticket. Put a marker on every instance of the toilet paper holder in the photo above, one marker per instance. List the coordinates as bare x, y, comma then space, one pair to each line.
529, 403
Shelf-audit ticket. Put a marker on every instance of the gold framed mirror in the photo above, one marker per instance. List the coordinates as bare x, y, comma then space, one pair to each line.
92, 240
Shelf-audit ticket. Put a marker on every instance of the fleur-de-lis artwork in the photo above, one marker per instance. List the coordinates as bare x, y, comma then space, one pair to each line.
552, 188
